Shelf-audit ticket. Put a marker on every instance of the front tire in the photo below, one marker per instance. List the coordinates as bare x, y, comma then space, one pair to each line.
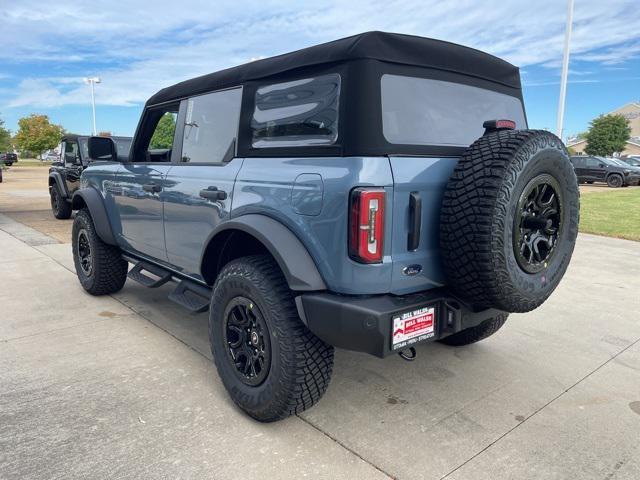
615, 181
99, 266
60, 208
477, 333
269, 362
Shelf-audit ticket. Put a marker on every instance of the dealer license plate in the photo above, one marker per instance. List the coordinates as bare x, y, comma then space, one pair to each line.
412, 327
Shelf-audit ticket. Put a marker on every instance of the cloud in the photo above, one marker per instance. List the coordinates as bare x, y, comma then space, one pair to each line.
138, 49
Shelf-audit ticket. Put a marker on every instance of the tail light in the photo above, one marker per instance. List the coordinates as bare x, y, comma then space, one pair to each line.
366, 225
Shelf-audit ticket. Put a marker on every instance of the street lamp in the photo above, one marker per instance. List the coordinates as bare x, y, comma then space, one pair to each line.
565, 69
92, 81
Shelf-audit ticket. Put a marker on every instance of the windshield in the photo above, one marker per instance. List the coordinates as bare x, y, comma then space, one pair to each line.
618, 162
609, 161
632, 161
123, 145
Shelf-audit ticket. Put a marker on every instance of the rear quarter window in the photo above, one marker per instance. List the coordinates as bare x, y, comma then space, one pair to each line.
298, 113
422, 111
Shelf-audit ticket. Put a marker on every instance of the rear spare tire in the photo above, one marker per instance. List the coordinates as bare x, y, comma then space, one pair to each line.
509, 220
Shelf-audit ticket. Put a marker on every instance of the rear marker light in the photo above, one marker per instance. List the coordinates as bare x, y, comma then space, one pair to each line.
366, 224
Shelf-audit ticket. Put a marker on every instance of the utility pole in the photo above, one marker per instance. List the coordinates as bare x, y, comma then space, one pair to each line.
92, 81
565, 69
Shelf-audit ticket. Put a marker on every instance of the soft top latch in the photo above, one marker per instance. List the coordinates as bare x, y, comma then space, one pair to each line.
491, 126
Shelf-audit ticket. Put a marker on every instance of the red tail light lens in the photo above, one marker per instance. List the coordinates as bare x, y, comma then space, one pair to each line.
366, 225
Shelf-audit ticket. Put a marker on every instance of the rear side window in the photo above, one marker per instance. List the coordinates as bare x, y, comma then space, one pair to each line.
421, 111
211, 127
593, 162
299, 113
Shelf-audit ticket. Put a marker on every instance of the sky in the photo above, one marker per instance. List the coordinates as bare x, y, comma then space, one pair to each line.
138, 47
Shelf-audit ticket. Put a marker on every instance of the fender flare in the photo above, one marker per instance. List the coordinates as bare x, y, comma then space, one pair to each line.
294, 260
92, 199
59, 184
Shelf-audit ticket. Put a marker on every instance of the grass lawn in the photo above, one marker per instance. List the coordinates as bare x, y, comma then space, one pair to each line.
615, 213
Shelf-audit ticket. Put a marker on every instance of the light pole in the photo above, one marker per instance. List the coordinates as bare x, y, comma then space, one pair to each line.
565, 69
92, 81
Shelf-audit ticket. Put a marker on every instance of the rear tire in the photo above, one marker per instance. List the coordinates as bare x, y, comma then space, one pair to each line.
477, 333
59, 206
615, 181
269, 362
99, 266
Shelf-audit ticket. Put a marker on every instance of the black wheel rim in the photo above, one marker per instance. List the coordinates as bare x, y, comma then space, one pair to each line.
84, 253
246, 337
615, 181
54, 201
538, 223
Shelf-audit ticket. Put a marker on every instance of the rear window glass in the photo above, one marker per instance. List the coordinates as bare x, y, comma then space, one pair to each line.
299, 113
421, 111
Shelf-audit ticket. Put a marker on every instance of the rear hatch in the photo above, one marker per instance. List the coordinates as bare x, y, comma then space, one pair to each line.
447, 116
419, 185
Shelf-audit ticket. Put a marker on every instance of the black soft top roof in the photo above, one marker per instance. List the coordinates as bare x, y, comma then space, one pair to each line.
386, 47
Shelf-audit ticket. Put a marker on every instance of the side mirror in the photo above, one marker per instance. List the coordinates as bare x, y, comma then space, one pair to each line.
601, 165
102, 148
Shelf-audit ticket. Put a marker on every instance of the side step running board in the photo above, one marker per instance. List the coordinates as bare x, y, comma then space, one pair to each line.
136, 273
192, 296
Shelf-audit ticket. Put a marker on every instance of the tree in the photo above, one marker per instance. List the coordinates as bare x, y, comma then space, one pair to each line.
37, 134
5, 138
607, 134
163, 135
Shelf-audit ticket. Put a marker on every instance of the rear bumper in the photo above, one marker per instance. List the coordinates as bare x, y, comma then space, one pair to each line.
364, 323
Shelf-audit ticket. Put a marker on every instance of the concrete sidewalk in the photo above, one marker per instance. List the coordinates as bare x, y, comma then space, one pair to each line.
123, 387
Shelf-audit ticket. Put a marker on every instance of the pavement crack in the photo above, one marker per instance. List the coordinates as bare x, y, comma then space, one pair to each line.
541, 408
346, 447
55, 330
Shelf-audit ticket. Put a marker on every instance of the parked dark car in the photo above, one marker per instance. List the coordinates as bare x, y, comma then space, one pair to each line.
64, 175
590, 169
8, 158
632, 161
371, 193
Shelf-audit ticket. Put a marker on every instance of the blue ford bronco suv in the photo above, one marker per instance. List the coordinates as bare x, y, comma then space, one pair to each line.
370, 193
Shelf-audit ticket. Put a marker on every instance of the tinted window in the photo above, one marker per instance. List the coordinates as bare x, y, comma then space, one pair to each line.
84, 146
420, 111
593, 162
211, 126
71, 153
123, 146
577, 161
298, 113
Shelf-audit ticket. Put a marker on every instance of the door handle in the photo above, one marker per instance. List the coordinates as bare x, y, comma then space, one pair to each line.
212, 193
152, 188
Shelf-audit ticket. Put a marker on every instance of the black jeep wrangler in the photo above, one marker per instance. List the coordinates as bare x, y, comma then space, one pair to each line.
64, 176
